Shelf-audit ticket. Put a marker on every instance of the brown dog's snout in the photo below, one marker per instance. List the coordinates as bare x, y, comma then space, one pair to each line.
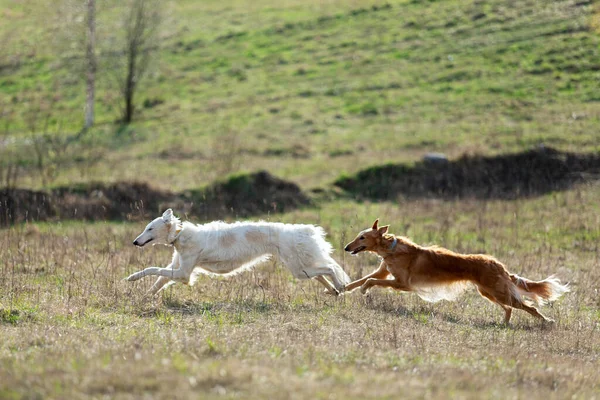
347, 248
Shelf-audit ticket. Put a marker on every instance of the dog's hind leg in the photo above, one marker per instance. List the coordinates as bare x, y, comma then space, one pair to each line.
336, 274
507, 300
507, 313
319, 274
379, 273
318, 270
533, 311
339, 285
507, 309
330, 288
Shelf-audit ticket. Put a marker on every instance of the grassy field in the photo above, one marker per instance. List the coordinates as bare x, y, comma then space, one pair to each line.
310, 91
72, 328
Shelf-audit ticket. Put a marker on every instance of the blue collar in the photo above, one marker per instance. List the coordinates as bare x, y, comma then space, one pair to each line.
394, 243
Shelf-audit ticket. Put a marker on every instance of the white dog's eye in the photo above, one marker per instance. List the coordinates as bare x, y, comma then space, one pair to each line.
150, 229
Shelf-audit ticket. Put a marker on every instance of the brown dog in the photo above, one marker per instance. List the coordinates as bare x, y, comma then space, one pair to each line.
435, 273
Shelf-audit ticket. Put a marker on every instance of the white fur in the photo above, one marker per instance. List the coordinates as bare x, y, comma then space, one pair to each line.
222, 248
436, 293
556, 290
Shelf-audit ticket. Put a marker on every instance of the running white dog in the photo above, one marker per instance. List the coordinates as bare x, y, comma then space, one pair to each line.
222, 248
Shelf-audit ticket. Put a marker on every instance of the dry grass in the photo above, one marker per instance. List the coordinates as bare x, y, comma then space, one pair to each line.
301, 88
71, 328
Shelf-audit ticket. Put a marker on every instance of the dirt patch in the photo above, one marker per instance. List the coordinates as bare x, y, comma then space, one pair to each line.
525, 174
247, 195
240, 196
96, 201
120, 201
18, 205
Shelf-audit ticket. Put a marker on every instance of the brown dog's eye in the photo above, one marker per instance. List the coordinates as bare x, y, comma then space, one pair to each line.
361, 238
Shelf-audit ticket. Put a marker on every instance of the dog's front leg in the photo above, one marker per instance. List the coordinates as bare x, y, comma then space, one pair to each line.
181, 274
392, 283
171, 274
379, 273
147, 271
163, 280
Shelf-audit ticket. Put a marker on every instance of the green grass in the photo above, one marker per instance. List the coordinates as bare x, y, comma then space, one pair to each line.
380, 80
310, 91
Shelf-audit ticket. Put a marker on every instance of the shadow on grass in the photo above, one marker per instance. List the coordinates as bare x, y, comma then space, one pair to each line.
530, 173
189, 307
532, 325
425, 315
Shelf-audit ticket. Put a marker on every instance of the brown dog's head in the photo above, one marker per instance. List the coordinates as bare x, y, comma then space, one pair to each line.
367, 240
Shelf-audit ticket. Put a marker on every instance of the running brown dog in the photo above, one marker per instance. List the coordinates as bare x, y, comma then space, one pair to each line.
435, 273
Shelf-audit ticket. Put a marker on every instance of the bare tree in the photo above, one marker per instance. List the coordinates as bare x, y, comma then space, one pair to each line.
141, 33
91, 63
74, 37
93, 43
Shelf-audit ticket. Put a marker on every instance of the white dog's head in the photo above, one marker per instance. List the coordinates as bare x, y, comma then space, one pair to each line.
163, 230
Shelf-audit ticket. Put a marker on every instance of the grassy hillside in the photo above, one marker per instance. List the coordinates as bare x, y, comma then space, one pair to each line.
299, 87
338, 95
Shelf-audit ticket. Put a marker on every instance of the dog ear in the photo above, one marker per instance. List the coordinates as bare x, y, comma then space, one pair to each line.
167, 215
375, 224
383, 230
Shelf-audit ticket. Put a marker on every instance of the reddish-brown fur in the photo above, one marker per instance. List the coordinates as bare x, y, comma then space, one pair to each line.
443, 273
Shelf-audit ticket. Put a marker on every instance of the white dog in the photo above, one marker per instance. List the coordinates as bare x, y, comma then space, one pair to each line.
222, 248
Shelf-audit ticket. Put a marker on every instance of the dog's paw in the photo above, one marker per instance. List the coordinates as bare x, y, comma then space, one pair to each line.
332, 292
134, 277
547, 324
364, 289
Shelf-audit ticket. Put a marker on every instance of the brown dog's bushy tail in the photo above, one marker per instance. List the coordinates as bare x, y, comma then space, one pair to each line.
541, 292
